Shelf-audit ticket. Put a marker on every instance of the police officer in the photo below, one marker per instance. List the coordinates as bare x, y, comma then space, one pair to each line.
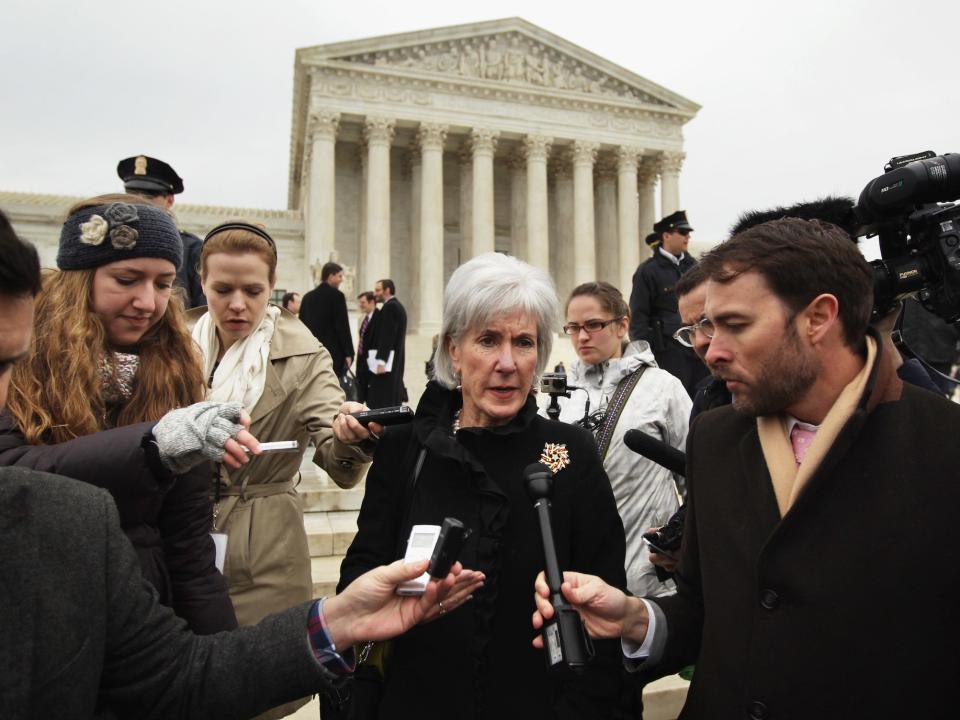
653, 304
156, 182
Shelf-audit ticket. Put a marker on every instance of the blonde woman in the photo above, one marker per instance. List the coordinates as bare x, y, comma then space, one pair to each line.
111, 357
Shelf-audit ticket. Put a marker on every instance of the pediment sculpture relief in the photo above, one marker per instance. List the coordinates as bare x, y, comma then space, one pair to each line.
509, 58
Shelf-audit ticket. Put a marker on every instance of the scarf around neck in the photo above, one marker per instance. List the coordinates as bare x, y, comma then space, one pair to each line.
242, 373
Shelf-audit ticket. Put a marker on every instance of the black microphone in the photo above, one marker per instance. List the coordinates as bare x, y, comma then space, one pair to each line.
656, 450
564, 638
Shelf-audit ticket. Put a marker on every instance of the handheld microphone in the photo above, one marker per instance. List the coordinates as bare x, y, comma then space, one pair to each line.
656, 450
564, 638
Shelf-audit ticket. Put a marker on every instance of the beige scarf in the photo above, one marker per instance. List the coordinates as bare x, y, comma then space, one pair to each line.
242, 373
788, 478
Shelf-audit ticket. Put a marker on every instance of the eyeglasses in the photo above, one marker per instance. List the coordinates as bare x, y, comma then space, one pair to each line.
591, 326
684, 335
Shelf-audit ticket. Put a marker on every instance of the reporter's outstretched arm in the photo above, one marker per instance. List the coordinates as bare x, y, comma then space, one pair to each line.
370, 609
606, 611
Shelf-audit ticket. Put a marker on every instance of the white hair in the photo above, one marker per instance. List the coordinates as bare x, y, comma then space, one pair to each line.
492, 285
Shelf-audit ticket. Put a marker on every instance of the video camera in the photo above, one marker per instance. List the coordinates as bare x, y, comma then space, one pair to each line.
910, 208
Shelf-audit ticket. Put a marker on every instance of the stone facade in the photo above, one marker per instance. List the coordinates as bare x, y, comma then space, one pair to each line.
411, 153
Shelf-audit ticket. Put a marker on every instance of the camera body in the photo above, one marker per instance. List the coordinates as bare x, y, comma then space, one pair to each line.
909, 209
554, 384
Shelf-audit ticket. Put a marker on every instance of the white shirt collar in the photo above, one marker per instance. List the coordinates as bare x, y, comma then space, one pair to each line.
671, 257
792, 422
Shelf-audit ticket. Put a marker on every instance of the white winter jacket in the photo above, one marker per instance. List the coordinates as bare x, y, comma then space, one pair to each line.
646, 493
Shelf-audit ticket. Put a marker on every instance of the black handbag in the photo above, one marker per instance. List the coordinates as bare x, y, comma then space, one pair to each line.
348, 381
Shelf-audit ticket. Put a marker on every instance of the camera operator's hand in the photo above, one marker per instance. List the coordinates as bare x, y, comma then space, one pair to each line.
606, 611
370, 609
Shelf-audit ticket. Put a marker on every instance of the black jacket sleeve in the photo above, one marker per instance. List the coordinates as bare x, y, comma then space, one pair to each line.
343, 329
200, 593
111, 459
378, 523
640, 307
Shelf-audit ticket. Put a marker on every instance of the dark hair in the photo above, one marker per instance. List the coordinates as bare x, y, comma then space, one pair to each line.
19, 263
837, 210
690, 280
800, 259
607, 295
287, 297
367, 295
387, 284
328, 269
143, 192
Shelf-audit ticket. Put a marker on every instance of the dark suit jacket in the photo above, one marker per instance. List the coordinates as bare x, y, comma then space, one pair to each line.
845, 608
188, 274
324, 311
391, 334
82, 634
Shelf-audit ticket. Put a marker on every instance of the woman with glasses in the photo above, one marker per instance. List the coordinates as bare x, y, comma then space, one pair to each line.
619, 388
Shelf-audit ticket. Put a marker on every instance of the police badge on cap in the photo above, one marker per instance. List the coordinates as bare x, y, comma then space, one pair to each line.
142, 173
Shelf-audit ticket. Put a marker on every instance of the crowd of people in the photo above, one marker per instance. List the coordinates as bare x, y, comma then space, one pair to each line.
156, 563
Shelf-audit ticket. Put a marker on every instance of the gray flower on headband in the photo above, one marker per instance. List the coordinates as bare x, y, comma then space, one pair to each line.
121, 213
94, 230
124, 237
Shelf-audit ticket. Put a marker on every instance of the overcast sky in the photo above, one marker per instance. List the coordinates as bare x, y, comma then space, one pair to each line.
799, 98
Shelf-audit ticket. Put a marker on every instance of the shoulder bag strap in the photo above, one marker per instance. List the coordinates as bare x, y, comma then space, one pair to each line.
615, 409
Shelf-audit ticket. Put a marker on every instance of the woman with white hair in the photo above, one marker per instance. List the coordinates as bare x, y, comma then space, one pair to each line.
476, 429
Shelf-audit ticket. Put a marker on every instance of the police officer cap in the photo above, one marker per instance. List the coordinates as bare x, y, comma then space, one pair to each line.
143, 173
674, 221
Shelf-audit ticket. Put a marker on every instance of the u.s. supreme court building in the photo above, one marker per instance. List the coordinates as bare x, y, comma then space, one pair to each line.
411, 153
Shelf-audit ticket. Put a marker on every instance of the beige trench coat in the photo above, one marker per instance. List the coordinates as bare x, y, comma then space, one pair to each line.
268, 562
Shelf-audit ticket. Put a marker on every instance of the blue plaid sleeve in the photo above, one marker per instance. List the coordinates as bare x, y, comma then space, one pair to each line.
324, 649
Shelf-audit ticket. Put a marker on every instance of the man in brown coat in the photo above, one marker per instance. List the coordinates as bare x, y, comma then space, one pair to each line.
801, 589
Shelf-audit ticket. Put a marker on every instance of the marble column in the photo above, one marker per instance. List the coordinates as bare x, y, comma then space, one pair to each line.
320, 230
465, 156
483, 142
670, 164
647, 171
608, 248
379, 133
518, 205
362, 195
536, 148
584, 230
628, 217
562, 250
415, 174
431, 138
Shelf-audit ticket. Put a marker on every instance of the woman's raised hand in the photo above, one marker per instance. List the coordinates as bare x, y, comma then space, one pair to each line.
347, 429
205, 431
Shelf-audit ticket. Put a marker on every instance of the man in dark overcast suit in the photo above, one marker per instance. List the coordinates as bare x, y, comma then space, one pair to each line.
386, 386
324, 311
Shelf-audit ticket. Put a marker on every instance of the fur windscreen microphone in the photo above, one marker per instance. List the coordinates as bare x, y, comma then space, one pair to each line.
564, 639
656, 450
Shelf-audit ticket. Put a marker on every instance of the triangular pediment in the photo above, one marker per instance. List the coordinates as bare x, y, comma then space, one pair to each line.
510, 52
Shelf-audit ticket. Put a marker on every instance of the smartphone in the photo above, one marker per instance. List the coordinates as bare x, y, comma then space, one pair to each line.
385, 416
420, 544
279, 446
660, 551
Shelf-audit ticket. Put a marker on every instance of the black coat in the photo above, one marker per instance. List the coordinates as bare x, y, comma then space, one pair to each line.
324, 311
390, 335
654, 316
167, 519
477, 662
845, 608
83, 635
188, 274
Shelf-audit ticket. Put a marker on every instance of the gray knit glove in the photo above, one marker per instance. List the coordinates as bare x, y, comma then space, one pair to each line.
188, 436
